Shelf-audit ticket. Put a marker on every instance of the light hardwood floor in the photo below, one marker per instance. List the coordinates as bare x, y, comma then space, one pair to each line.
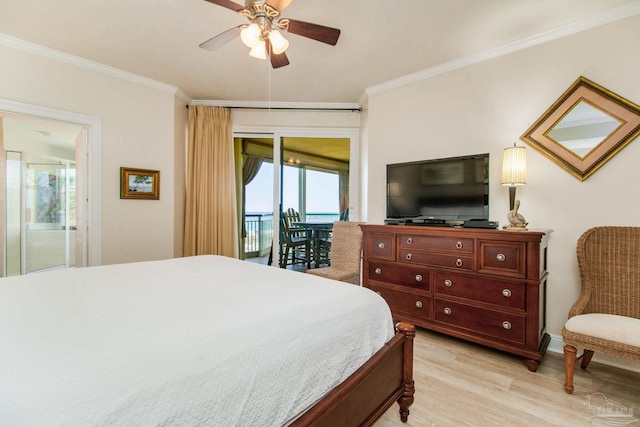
463, 384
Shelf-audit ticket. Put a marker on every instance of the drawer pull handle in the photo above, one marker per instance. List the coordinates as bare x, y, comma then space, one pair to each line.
458, 262
501, 257
448, 283
378, 270
459, 245
419, 304
506, 293
408, 257
506, 325
418, 278
409, 240
381, 245
447, 311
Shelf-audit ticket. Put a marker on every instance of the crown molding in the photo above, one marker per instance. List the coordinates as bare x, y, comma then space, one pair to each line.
181, 95
615, 14
265, 105
56, 55
364, 100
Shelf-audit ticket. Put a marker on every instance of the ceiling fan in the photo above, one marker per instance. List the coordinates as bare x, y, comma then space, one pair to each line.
263, 35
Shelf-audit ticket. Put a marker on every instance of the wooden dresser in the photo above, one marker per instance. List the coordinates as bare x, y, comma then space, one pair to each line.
482, 285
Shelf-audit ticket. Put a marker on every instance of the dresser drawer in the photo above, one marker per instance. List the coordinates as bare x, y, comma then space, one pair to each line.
380, 246
503, 258
503, 293
503, 326
461, 262
460, 245
413, 277
405, 303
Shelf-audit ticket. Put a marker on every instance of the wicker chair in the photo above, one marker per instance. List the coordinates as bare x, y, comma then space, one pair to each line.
606, 316
346, 253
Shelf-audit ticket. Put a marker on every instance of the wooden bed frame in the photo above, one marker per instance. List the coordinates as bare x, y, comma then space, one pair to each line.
363, 397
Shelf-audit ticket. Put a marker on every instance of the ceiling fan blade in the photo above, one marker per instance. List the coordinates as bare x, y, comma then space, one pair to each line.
280, 60
279, 5
222, 38
314, 31
277, 61
228, 4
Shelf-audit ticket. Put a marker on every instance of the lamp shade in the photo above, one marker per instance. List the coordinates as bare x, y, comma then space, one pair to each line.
278, 43
259, 51
250, 35
514, 166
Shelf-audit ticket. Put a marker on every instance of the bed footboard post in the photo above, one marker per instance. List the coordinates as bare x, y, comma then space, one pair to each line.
406, 399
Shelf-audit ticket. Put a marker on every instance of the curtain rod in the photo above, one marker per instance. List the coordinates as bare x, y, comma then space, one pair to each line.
293, 108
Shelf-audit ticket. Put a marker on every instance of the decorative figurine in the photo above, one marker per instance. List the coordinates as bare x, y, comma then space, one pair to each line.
516, 220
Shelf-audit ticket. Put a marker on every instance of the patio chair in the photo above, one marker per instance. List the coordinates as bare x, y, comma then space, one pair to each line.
295, 245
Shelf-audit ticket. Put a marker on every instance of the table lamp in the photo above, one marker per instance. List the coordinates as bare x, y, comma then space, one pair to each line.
514, 173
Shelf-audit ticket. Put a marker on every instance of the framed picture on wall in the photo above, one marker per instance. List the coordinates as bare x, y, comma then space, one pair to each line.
139, 184
585, 128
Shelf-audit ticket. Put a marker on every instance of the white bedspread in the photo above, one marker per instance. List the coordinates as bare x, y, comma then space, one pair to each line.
205, 340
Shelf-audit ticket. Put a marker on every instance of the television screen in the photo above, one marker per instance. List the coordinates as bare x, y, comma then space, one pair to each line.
455, 188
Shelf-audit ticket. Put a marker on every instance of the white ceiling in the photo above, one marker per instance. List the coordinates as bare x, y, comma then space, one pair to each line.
381, 40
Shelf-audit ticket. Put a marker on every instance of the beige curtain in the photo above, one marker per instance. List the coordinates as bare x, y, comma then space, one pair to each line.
210, 214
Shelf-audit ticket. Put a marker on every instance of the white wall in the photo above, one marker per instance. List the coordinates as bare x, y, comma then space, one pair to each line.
486, 107
139, 124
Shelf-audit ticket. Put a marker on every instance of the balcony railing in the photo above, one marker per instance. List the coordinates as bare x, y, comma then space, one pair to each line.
259, 228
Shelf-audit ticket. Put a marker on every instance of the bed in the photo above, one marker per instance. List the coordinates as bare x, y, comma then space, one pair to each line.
204, 340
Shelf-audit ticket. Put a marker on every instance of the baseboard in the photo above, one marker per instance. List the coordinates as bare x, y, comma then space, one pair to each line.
556, 345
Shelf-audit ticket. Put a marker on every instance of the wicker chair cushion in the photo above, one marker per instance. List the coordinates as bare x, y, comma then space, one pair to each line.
622, 329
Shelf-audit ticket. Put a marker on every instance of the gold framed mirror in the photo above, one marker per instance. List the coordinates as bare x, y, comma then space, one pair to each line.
584, 128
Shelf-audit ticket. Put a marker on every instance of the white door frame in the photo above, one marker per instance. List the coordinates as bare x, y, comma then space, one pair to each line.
91, 204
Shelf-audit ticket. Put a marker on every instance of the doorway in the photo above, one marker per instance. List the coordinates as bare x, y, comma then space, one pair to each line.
42, 198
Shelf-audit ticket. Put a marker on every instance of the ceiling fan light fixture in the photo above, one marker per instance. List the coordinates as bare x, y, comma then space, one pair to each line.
250, 35
259, 51
278, 43
262, 34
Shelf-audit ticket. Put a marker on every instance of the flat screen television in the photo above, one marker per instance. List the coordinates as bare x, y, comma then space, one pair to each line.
440, 190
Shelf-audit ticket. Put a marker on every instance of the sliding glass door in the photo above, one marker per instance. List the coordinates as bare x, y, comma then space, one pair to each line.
315, 174
312, 178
